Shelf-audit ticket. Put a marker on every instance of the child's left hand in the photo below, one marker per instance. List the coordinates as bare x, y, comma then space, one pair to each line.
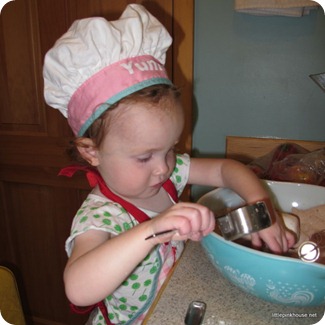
277, 238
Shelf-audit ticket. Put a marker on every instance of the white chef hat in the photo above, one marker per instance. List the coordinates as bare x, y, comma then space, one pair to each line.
96, 63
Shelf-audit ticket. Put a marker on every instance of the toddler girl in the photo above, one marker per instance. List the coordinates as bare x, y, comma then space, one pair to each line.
108, 79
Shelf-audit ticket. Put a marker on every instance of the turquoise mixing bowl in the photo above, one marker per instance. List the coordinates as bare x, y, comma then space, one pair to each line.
273, 278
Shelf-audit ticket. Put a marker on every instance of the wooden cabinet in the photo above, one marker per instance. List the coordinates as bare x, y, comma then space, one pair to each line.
37, 206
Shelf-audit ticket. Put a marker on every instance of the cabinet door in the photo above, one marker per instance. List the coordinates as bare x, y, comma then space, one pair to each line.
37, 206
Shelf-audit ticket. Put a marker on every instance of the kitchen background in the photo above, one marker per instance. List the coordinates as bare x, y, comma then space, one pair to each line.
250, 79
251, 76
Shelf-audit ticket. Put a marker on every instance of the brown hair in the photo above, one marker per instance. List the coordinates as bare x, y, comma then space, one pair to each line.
98, 130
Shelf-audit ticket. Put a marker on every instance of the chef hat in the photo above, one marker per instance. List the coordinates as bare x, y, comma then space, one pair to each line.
96, 63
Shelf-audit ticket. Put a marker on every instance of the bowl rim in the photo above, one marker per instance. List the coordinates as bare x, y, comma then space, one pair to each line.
319, 187
266, 182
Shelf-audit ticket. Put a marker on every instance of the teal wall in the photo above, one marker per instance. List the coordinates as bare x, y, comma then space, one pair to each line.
251, 76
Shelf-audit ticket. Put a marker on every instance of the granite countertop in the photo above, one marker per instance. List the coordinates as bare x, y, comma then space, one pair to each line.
195, 278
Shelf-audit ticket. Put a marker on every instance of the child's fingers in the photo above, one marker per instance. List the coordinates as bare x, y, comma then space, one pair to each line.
200, 217
256, 240
291, 239
188, 220
275, 238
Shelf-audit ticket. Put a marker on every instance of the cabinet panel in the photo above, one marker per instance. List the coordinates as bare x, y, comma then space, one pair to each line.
38, 219
22, 107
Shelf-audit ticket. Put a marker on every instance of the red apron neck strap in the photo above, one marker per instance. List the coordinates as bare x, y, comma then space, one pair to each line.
171, 190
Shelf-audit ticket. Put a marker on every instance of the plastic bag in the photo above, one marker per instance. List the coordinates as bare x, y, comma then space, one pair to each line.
292, 163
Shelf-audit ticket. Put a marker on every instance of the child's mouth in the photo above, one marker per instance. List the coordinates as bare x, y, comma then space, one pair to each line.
158, 185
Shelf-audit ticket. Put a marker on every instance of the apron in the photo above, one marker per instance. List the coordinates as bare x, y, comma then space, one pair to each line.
94, 178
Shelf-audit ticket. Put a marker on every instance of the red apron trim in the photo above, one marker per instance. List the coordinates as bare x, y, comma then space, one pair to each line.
88, 310
82, 310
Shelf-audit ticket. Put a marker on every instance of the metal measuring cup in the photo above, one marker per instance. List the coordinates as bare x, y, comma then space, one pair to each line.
244, 220
238, 222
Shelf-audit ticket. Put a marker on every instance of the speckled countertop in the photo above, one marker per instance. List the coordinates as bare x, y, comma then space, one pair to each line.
195, 278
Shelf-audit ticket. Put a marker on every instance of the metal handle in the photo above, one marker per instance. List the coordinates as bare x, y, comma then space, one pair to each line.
244, 220
195, 313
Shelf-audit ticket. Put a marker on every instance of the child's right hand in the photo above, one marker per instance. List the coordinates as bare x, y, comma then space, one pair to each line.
188, 220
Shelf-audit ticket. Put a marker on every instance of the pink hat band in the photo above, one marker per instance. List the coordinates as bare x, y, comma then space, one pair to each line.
110, 85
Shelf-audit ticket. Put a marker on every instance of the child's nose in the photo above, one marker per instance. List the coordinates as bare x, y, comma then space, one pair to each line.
162, 167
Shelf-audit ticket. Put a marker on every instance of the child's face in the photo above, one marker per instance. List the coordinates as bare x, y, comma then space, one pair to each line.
137, 155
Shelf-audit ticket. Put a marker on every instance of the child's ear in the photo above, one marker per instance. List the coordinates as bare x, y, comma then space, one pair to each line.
88, 150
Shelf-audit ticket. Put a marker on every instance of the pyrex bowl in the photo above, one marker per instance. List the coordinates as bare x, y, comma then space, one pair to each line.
273, 278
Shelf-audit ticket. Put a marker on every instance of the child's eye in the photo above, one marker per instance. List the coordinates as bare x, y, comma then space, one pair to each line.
144, 159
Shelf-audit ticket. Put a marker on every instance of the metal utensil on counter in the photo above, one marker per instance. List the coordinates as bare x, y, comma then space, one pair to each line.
238, 222
195, 313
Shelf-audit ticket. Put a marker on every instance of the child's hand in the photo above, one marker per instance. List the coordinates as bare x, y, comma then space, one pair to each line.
188, 220
277, 238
